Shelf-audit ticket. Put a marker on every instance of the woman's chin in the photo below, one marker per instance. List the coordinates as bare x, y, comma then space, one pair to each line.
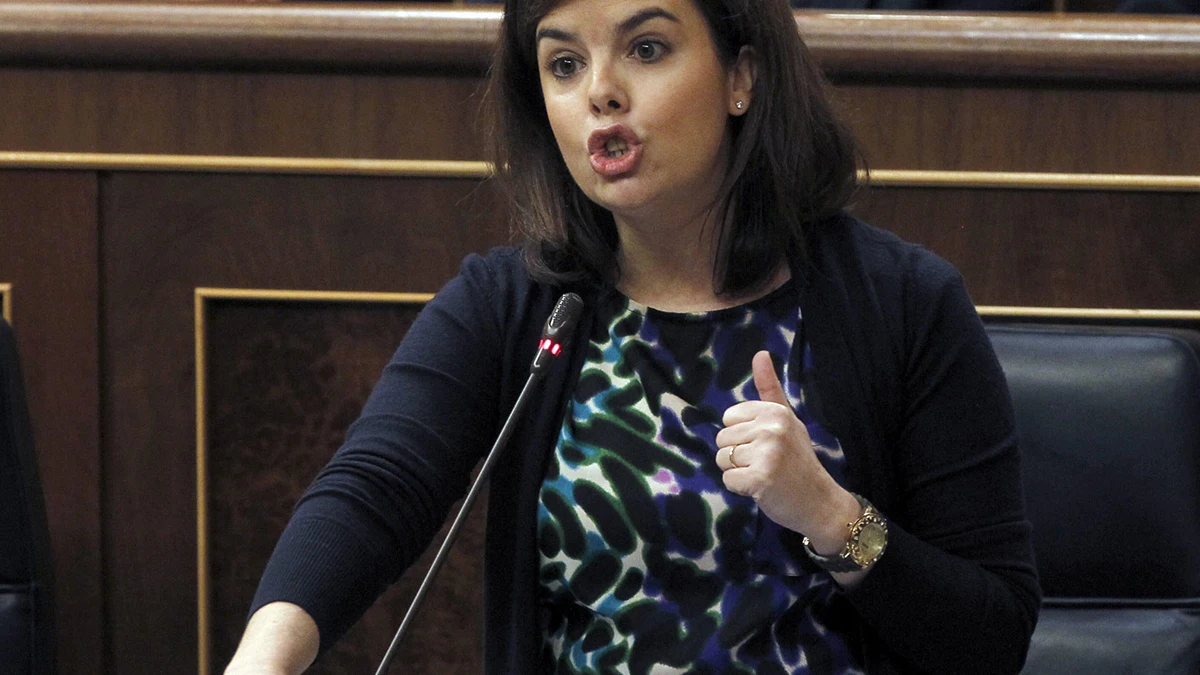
619, 197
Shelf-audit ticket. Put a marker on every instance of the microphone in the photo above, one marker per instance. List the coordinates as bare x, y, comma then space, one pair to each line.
559, 326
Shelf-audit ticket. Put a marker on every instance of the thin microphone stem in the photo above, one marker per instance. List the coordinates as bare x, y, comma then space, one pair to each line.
484, 471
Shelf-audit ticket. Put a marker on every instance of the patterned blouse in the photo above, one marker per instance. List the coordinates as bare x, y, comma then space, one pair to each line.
648, 563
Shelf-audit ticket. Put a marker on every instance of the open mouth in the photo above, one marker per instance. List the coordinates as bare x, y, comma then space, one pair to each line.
614, 150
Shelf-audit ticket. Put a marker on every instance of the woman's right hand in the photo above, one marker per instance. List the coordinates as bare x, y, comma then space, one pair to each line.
280, 639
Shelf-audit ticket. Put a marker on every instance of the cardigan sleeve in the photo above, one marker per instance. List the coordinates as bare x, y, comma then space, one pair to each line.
377, 504
957, 588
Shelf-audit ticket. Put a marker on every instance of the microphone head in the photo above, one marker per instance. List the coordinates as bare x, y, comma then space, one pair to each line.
564, 317
558, 328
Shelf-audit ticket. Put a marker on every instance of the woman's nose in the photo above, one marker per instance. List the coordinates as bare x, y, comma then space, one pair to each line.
606, 93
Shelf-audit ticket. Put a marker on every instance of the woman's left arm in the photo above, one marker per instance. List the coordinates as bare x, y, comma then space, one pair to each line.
957, 588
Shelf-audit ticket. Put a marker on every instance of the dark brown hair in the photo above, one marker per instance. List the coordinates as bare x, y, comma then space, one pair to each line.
792, 162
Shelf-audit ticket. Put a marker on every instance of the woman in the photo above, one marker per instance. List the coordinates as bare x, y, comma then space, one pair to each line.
782, 444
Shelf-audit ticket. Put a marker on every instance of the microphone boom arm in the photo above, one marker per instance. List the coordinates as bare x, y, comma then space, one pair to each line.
559, 326
461, 518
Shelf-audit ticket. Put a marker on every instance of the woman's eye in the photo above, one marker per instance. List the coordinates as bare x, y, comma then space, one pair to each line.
564, 66
649, 50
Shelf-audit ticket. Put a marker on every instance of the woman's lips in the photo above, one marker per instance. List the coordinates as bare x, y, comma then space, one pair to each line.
614, 150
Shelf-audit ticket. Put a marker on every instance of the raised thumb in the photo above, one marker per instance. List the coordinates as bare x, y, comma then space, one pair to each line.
765, 380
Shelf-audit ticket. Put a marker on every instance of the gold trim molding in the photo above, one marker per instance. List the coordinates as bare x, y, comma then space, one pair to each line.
1015, 180
325, 166
202, 297
1095, 314
477, 170
6, 302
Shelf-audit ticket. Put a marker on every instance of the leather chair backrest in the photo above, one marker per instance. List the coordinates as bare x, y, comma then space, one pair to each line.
26, 606
1109, 421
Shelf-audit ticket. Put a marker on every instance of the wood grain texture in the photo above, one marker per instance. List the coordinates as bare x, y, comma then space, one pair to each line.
951, 126
1055, 249
1005, 46
48, 252
168, 234
399, 35
981, 127
262, 114
1080, 47
285, 380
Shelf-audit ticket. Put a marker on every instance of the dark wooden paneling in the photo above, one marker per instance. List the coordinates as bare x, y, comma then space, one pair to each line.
1055, 248
48, 251
977, 127
914, 126
404, 84
285, 379
997, 45
166, 235
1082, 48
333, 35
261, 114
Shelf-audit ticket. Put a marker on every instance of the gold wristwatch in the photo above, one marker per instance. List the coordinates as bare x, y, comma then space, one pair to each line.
865, 545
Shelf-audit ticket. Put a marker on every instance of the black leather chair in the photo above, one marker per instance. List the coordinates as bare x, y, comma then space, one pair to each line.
26, 604
1110, 431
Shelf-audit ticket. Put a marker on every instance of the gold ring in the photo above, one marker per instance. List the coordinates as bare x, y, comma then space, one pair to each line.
731, 451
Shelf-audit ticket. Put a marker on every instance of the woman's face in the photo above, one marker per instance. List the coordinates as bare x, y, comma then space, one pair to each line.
639, 103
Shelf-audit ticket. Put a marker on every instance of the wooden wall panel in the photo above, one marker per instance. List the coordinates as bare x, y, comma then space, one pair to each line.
276, 114
979, 126
959, 45
952, 126
284, 381
166, 235
48, 252
1134, 250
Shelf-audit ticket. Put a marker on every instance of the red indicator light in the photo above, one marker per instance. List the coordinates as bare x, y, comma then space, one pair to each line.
545, 344
556, 349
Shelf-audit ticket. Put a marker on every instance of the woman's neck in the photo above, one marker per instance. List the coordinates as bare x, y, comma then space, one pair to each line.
671, 268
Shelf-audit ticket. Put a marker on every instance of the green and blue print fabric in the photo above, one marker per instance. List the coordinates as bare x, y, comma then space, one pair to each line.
648, 563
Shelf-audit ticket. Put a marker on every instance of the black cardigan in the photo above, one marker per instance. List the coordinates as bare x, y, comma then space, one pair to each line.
905, 378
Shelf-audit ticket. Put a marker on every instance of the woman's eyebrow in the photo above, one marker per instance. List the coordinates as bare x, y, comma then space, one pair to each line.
643, 16
554, 34
624, 27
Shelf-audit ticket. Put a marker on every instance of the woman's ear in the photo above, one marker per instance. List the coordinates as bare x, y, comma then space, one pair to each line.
741, 81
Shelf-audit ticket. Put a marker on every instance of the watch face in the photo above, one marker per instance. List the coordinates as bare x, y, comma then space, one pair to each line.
871, 540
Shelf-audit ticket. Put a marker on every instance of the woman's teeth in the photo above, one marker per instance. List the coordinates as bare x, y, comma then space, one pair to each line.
615, 147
